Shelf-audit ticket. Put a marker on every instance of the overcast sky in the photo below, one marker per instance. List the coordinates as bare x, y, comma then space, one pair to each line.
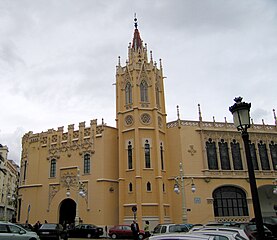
58, 58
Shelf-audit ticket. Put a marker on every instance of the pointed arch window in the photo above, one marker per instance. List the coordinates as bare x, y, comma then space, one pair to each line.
143, 91
263, 156
273, 153
53, 165
235, 149
130, 187
148, 187
147, 154
130, 156
224, 155
157, 97
87, 163
229, 201
211, 155
128, 93
162, 156
253, 156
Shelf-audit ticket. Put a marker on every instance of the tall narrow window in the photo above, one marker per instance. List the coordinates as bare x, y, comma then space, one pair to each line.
230, 201
157, 97
128, 93
162, 156
53, 168
224, 155
147, 154
263, 156
235, 149
130, 187
24, 170
87, 163
253, 156
273, 153
148, 186
130, 156
143, 91
211, 154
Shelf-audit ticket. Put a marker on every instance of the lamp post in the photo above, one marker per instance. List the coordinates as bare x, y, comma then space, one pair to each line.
181, 185
240, 111
80, 191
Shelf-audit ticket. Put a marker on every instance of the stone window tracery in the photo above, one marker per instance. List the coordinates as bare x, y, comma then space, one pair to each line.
224, 155
211, 154
53, 165
86, 163
236, 155
253, 156
147, 154
143, 91
273, 153
145, 118
128, 93
263, 155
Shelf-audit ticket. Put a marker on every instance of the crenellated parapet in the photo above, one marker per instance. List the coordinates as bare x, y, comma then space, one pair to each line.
59, 141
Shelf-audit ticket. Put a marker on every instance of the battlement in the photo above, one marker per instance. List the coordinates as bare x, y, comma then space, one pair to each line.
52, 136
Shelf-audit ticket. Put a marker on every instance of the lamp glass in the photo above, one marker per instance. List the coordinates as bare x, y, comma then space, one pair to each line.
241, 118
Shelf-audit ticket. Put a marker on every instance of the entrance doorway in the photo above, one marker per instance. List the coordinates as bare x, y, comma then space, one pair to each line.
67, 211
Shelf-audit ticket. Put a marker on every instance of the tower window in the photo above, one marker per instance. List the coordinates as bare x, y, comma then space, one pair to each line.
130, 187
157, 97
130, 156
143, 91
148, 186
86, 163
162, 156
147, 154
128, 93
53, 165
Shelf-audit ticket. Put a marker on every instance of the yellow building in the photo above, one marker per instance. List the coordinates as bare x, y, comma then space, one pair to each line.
101, 174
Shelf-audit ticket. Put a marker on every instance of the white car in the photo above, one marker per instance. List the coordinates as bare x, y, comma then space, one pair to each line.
10, 231
222, 235
181, 236
221, 229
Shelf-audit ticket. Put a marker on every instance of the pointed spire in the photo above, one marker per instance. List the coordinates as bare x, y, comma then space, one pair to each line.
274, 115
199, 112
137, 42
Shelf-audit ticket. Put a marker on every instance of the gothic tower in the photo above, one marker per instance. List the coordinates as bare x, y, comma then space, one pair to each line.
141, 123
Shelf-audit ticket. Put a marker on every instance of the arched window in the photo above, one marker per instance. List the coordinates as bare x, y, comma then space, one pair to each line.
130, 187
229, 201
163, 187
273, 153
53, 168
263, 156
86, 163
211, 154
162, 156
147, 154
148, 186
253, 155
128, 93
224, 155
235, 149
130, 156
157, 97
143, 91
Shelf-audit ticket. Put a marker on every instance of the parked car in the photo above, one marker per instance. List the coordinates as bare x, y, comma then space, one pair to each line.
251, 230
180, 236
171, 228
51, 231
123, 231
221, 229
26, 226
270, 223
222, 235
10, 231
85, 231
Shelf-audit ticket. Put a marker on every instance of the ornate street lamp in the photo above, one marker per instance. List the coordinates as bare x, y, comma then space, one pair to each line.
182, 185
240, 111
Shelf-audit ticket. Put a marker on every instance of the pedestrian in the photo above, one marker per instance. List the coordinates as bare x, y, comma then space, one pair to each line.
135, 229
37, 226
146, 229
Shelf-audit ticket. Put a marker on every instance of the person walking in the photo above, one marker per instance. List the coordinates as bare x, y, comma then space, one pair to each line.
135, 229
146, 229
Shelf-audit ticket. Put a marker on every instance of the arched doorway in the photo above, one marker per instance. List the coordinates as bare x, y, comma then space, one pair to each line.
67, 211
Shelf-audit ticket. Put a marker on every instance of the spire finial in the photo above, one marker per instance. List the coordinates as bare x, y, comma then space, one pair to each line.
178, 113
274, 114
199, 112
136, 21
